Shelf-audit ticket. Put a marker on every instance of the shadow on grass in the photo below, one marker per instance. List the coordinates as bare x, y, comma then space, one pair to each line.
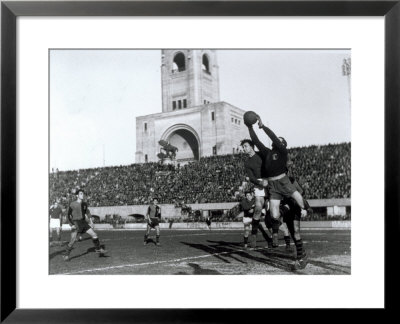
89, 250
232, 250
198, 270
331, 266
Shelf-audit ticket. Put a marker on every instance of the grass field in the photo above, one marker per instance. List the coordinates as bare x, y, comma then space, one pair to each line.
200, 252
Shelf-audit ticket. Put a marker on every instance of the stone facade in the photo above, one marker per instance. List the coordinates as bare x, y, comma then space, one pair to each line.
213, 129
193, 118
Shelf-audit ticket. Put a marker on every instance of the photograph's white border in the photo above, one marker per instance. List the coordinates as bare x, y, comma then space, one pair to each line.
363, 288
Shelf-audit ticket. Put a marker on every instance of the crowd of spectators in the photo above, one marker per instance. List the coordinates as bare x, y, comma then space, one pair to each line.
323, 171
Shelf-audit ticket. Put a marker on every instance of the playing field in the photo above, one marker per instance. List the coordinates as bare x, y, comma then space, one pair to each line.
200, 252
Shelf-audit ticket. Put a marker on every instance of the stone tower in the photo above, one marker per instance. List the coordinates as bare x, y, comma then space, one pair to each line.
193, 119
190, 78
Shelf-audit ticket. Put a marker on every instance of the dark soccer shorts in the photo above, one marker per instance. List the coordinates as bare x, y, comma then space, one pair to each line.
81, 226
155, 221
292, 213
278, 189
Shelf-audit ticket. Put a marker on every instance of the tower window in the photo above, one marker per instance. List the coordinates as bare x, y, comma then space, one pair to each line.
206, 65
179, 63
212, 116
214, 150
173, 105
184, 103
232, 120
145, 127
180, 104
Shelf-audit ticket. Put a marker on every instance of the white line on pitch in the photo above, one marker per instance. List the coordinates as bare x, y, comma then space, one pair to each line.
159, 262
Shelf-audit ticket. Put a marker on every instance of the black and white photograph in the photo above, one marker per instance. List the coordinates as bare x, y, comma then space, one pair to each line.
185, 161
198, 161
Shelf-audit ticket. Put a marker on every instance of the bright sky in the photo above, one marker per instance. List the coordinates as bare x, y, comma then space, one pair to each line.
95, 96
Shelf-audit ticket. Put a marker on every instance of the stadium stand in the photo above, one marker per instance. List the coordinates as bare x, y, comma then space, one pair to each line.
323, 171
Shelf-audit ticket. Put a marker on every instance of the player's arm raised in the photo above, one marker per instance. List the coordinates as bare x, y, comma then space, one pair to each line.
275, 139
261, 147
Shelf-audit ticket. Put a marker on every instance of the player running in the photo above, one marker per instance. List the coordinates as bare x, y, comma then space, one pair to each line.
55, 220
76, 218
274, 170
153, 217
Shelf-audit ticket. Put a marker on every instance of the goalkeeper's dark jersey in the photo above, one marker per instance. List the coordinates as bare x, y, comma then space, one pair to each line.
275, 160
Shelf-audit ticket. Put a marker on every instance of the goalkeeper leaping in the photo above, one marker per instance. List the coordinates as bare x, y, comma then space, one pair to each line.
275, 172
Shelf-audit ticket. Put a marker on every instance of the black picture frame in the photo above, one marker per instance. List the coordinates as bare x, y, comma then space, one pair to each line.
10, 10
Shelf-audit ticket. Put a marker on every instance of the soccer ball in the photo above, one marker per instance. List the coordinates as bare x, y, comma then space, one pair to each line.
250, 118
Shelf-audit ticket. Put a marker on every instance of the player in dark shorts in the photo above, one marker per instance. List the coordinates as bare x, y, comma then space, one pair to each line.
275, 173
291, 216
76, 218
247, 206
292, 219
55, 220
153, 217
253, 167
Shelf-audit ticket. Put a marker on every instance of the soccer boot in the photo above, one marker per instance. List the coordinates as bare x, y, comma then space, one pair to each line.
158, 243
66, 256
301, 263
101, 251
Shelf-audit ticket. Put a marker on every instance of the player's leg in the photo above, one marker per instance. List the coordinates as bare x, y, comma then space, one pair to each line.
95, 240
68, 249
58, 230
286, 236
157, 234
147, 233
299, 200
247, 228
275, 214
266, 234
50, 233
268, 225
301, 255
259, 203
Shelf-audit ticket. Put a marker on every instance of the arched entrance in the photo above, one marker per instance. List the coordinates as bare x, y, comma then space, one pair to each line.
187, 141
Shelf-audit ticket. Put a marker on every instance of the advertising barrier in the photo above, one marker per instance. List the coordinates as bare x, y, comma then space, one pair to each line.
215, 225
